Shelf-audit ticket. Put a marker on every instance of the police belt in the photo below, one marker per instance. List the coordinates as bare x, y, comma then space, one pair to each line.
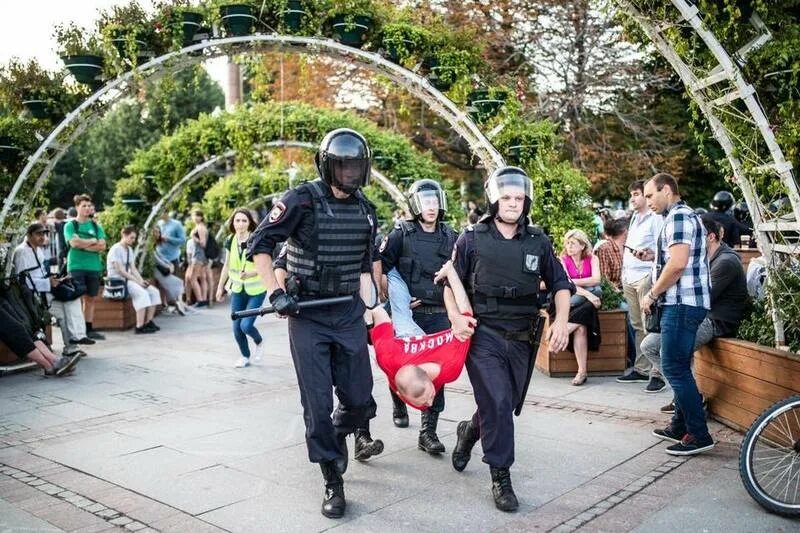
523, 335
429, 309
314, 288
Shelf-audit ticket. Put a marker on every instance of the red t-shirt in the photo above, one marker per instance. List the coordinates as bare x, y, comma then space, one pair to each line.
442, 348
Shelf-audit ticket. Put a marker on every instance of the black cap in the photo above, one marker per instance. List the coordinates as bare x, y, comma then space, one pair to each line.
37, 227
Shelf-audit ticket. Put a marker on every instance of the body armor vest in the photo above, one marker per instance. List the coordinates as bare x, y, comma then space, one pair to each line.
329, 264
422, 256
506, 273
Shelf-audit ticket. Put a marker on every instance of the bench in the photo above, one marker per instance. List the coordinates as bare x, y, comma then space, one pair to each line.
114, 314
609, 360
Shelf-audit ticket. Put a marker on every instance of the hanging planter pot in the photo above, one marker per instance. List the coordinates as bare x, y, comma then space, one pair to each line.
392, 50
352, 33
483, 104
440, 76
383, 162
293, 16
119, 38
237, 19
191, 22
518, 150
85, 68
36, 105
143, 57
9, 153
231, 202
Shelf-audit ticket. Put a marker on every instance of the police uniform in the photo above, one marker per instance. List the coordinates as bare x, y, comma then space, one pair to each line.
418, 255
502, 279
329, 245
732, 234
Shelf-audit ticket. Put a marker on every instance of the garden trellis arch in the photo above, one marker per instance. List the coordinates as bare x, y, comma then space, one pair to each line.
209, 165
716, 89
58, 141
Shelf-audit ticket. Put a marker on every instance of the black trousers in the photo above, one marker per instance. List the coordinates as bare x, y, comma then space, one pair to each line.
329, 350
429, 323
14, 334
497, 369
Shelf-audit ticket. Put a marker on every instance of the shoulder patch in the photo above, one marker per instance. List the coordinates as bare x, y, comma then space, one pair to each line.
384, 242
276, 213
470, 228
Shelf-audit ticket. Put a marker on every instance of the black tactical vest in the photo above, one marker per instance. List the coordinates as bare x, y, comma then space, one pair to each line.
422, 256
506, 273
329, 264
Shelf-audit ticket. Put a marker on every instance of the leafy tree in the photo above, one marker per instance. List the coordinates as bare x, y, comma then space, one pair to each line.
94, 162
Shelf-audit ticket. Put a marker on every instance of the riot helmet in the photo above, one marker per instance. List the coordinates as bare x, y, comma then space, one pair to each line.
722, 201
741, 212
503, 180
343, 160
426, 194
700, 211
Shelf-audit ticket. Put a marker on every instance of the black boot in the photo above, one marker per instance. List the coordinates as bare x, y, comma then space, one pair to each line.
466, 437
399, 412
365, 446
333, 504
341, 463
428, 441
503, 492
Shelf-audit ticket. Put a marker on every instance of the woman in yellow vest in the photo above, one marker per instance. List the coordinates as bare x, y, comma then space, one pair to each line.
239, 277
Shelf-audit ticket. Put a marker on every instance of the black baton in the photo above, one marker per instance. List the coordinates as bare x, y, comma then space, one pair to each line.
535, 340
301, 305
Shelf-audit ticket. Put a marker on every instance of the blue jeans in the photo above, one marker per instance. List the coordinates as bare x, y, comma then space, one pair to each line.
576, 299
246, 326
400, 300
679, 325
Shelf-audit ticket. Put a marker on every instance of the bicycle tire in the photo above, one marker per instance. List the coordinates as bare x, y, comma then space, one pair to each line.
746, 455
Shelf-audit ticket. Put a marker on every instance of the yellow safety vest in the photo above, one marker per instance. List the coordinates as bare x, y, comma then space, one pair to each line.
238, 264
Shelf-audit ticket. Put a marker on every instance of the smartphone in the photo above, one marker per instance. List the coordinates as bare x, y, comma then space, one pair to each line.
633, 251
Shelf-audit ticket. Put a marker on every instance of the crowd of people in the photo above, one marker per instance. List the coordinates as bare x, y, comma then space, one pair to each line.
431, 300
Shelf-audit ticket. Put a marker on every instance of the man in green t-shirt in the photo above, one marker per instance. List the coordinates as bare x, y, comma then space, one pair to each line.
86, 240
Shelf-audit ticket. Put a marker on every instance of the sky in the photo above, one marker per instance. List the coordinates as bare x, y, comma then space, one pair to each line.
26, 29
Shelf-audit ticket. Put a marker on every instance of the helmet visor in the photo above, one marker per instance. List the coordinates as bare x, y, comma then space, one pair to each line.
499, 186
348, 174
428, 199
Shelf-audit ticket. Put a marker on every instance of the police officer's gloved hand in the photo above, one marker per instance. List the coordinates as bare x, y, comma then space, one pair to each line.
283, 304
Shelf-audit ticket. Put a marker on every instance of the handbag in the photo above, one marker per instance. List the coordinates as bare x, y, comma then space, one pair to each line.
652, 322
68, 290
116, 288
163, 270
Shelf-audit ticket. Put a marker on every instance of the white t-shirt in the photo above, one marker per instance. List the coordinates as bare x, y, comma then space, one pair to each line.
122, 255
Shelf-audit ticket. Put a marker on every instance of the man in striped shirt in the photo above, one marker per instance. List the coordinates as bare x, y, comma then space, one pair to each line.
681, 284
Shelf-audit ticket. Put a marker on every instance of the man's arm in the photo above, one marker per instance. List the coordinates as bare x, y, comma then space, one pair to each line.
177, 235
673, 269
263, 263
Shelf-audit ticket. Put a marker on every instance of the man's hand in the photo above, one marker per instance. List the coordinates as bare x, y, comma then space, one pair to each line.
283, 304
416, 302
220, 295
55, 282
443, 272
558, 336
645, 304
644, 255
463, 327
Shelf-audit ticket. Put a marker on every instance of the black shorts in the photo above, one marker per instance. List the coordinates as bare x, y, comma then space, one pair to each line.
89, 278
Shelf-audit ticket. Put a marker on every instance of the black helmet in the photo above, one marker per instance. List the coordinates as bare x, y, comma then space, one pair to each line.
741, 212
722, 201
700, 211
421, 196
343, 160
508, 177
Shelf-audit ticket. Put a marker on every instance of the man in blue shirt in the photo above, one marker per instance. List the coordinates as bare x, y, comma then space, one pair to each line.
172, 238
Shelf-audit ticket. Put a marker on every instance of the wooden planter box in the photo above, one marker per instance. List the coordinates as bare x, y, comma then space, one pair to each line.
114, 314
8, 357
741, 379
747, 255
609, 360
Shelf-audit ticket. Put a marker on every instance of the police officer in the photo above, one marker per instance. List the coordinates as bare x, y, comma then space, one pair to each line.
502, 260
721, 205
418, 248
329, 227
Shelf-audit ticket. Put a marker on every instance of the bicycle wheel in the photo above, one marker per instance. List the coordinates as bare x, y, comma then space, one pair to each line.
769, 459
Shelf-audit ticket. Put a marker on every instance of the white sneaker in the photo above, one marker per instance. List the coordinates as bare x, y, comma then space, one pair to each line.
242, 362
258, 354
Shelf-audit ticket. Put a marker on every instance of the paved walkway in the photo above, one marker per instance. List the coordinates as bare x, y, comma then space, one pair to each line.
160, 432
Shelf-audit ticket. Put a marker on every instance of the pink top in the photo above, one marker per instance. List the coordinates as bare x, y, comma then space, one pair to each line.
572, 268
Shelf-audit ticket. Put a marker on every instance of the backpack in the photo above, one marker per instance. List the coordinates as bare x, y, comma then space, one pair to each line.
212, 248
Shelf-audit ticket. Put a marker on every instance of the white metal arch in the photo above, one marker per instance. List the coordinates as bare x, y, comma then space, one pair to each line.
770, 232
51, 149
203, 168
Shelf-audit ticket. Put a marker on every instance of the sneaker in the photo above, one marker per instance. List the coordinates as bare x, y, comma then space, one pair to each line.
655, 385
669, 408
691, 446
96, 335
85, 340
242, 362
633, 377
144, 329
153, 325
258, 353
668, 434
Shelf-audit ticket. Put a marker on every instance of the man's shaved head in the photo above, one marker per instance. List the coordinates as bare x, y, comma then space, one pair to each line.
414, 385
